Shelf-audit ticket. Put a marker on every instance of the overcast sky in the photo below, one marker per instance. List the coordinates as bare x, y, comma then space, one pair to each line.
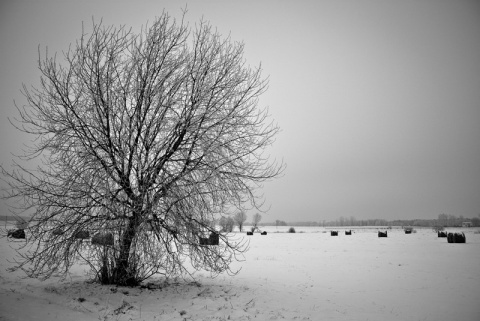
378, 101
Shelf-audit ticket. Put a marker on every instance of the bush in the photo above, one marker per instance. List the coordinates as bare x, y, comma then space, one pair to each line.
291, 230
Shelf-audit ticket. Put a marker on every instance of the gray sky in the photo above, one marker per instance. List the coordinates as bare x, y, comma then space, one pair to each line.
378, 101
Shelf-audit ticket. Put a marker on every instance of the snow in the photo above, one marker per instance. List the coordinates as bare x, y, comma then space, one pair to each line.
308, 275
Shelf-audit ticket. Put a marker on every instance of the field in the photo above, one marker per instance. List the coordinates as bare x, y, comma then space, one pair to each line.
308, 275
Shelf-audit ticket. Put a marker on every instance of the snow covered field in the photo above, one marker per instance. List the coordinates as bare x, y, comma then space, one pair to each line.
301, 276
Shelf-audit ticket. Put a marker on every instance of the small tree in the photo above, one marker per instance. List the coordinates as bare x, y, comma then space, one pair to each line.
240, 219
226, 224
146, 137
256, 219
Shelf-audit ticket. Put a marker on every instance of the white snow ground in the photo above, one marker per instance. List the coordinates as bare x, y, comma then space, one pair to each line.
301, 276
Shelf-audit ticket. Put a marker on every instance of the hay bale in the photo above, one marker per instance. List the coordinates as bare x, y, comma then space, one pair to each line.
213, 239
442, 234
333, 233
105, 239
348, 232
456, 238
264, 233
249, 233
82, 234
16, 234
57, 231
382, 234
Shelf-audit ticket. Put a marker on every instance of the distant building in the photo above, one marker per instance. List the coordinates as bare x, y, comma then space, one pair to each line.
466, 224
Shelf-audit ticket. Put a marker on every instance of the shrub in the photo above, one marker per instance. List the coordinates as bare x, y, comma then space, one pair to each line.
291, 230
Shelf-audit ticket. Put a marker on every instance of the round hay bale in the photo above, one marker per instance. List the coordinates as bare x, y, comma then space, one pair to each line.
16, 234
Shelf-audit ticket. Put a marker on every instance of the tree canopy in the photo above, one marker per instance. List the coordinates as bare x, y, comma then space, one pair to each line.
147, 137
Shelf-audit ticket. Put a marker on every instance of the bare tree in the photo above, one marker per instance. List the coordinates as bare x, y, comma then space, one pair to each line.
226, 224
240, 219
256, 219
148, 137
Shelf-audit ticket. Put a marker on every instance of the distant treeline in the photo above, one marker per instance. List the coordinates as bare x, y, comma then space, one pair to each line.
442, 220
11, 218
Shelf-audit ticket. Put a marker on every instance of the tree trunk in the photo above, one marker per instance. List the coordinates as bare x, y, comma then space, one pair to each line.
125, 273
